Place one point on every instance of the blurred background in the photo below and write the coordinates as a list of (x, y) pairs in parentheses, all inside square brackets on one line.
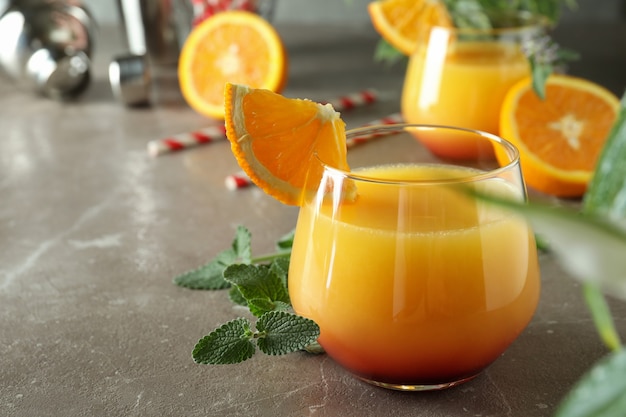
[(354, 12)]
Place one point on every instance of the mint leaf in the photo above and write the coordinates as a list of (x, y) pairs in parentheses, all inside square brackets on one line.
[(242, 246), (387, 54), (470, 13), (257, 282), (599, 393), (540, 73), (229, 343), (285, 243), (235, 296), (280, 267), (260, 306), (282, 332), (211, 275), (606, 194)]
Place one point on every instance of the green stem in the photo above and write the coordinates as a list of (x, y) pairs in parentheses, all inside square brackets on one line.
[(269, 257), (602, 316)]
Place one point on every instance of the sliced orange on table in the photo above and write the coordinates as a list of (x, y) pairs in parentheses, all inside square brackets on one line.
[(279, 141), (399, 21), (232, 46), (559, 138)]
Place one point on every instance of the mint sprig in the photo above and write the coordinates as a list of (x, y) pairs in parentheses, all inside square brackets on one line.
[(546, 57), (211, 275), (277, 333), (260, 284)]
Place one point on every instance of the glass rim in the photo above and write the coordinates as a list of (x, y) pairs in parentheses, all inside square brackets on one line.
[(510, 149), (524, 21)]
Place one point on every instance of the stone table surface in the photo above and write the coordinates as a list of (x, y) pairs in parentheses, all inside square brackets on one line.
[(92, 231)]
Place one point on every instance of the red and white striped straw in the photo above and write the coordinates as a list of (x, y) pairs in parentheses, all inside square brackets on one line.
[(237, 181), (210, 134), (186, 140), (388, 120), (241, 180), (351, 101)]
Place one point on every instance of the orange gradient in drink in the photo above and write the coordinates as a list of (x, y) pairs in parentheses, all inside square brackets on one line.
[(457, 83), (404, 295)]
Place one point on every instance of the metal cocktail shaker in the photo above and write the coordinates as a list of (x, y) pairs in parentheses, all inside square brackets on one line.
[(156, 28), (155, 32), (46, 46)]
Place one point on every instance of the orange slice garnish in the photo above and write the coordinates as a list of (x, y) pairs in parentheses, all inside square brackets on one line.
[(279, 142), (232, 46), (399, 21), (559, 138)]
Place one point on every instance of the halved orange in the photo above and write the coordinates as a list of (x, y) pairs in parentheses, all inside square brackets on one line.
[(232, 46), (279, 141), (559, 138), (399, 21)]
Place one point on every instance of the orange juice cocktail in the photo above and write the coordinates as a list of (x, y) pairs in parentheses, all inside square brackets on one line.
[(459, 77), (414, 283)]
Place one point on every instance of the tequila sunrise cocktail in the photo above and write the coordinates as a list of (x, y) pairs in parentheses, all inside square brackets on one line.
[(459, 77), (415, 284)]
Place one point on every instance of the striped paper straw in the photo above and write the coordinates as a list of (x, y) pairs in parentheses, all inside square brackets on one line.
[(351, 101), (388, 120), (237, 180), (241, 180), (186, 140), (210, 134)]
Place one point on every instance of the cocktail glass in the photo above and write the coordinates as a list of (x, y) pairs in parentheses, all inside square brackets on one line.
[(459, 77), (415, 284)]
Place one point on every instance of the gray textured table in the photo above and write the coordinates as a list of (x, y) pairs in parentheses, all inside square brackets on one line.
[(92, 231)]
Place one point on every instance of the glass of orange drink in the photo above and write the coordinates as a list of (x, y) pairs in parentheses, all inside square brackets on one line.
[(459, 76), (415, 283)]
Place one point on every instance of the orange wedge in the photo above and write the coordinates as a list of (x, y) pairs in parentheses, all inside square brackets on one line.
[(231, 46), (559, 138), (399, 21), (276, 139)]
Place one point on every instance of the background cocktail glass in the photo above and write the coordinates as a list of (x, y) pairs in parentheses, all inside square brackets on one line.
[(459, 77), (415, 284)]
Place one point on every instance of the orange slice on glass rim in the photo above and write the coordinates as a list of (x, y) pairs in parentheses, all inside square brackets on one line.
[(231, 46), (278, 141), (559, 138), (399, 21)]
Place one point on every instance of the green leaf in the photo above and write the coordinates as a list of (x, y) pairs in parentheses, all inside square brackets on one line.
[(601, 392), (601, 316), (257, 282), (315, 348), (540, 73), (280, 267), (607, 191), (209, 276), (235, 296), (242, 246), (229, 343), (283, 333), (589, 248), (470, 13), (605, 197), (260, 306), (387, 54), (285, 243)]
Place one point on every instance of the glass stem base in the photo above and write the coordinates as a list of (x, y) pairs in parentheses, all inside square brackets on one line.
[(417, 387)]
